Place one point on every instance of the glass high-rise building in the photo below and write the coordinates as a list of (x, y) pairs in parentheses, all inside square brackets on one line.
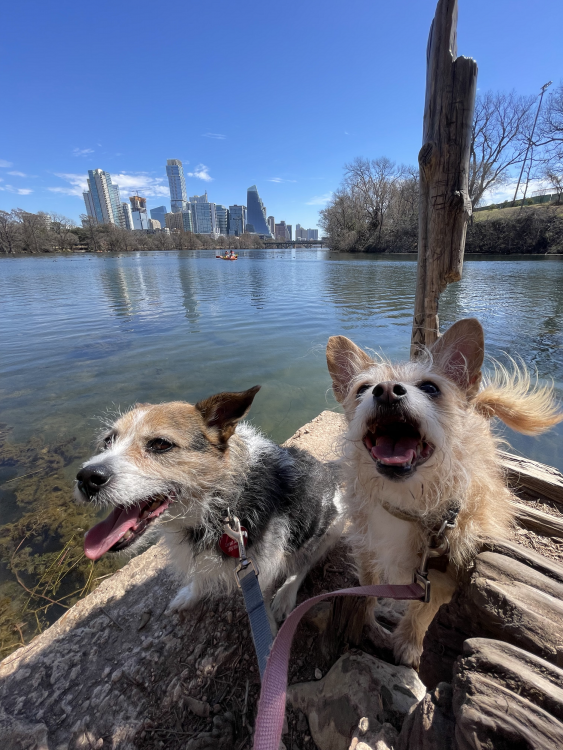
[(102, 199), (139, 212), (222, 218), (199, 198), (204, 218), (128, 216), (159, 214), (237, 220), (255, 213), (177, 182)]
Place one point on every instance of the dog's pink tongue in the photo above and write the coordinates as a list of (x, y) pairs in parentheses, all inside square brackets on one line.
[(388, 451), (105, 534)]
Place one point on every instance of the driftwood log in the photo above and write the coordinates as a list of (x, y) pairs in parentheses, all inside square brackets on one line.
[(445, 206)]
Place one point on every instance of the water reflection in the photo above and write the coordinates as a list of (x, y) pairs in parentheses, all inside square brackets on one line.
[(157, 326)]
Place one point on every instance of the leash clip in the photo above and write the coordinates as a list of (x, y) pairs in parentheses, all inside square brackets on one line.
[(440, 548), (237, 534)]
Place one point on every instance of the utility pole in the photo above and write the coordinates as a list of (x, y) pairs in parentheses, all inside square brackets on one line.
[(543, 90)]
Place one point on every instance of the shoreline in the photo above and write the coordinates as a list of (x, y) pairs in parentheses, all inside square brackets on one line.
[(358, 255)]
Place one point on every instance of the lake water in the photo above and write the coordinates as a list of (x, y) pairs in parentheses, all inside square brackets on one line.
[(82, 334)]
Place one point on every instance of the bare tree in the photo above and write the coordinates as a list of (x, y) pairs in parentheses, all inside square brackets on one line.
[(34, 230), (62, 228), (550, 139), (10, 236), (90, 225), (161, 241), (553, 176), (373, 182), (501, 128)]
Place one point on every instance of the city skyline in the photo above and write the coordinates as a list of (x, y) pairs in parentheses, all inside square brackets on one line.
[(195, 214), (340, 99)]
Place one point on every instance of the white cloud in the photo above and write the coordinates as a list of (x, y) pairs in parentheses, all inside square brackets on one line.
[(201, 172), (17, 191), (506, 192), (145, 184), (217, 136), (77, 185), (320, 200), (17, 174), (280, 179), (4, 163), (82, 151), (346, 132)]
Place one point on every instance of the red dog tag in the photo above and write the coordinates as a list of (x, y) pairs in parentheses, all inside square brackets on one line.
[(230, 546)]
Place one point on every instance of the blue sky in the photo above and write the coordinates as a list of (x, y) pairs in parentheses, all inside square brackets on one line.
[(281, 94)]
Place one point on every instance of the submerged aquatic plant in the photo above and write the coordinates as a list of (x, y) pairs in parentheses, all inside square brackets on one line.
[(45, 569)]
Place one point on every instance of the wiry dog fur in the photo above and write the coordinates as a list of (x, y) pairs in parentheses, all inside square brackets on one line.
[(198, 462), (456, 461)]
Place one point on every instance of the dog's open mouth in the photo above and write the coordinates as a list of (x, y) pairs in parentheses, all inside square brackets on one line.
[(397, 447), (124, 526)]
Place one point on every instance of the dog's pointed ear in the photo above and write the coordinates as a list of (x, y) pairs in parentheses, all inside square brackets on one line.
[(223, 411), (459, 354), (345, 360)]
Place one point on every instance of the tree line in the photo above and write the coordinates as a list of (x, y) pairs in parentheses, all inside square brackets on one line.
[(25, 232), (375, 209)]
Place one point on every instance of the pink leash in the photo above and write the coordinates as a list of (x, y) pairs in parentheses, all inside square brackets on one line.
[(271, 708)]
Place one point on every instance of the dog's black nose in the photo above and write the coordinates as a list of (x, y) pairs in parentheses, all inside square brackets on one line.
[(91, 480), (387, 393)]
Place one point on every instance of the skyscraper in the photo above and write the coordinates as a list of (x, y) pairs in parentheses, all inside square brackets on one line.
[(222, 218), (159, 213), (313, 234), (199, 198), (204, 218), (289, 231), (127, 216), (255, 215), (281, 231), (139, 211), (272, 225), (178, 195), (102, 199), (237, 220), (300, 233)]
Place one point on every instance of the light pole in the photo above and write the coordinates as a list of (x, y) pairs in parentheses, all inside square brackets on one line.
[(543, 90)]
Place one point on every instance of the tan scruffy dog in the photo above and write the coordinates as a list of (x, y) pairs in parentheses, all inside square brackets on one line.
[(419, 446)]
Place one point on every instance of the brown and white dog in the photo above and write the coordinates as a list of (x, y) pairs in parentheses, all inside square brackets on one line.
[(180, 469), (419, 444)]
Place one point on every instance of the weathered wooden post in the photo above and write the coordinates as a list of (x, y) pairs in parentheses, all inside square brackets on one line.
[(445, 207)]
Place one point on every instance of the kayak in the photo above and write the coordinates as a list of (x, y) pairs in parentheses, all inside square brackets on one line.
[(222, 257)]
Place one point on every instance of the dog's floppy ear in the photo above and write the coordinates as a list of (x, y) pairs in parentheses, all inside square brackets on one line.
[(224, 410), (459, 354), (345, 360)]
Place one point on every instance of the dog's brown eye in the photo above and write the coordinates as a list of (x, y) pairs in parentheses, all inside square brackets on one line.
[(159, 445), (429, 388), (362, 389), (108, 441)]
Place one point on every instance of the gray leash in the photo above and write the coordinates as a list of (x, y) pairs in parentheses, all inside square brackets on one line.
[(246, 574)]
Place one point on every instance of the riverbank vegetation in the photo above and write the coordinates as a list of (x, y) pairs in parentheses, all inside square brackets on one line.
[(375, 209), (24, 232)]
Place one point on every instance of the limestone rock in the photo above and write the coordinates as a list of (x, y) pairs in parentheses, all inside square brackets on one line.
[(385, 738), (430, 725), (358, 686)]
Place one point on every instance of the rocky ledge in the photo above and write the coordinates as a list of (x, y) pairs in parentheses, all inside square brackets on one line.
[(118, 672)]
